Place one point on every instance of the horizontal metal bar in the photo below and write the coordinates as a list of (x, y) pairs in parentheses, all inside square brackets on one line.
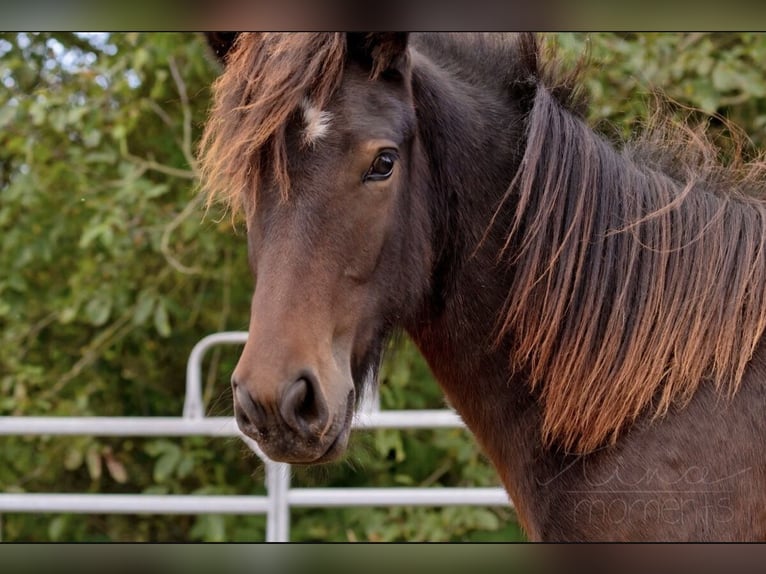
[(404, 419), (397, 496), (118, 426), (133, 503), (248, 504), (208, 426)]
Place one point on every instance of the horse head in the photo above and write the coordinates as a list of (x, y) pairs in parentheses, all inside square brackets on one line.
[(316, 136)]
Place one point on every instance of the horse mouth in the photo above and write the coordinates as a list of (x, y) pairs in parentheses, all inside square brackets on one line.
[(283, 445), (338, 446)]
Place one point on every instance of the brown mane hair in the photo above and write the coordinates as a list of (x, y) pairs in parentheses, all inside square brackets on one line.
[(267, 76), (637, 273)]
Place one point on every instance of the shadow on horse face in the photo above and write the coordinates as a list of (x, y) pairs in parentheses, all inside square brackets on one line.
[(326, 255)]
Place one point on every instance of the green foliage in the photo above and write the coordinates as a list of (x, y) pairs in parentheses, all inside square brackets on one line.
[(111, 271), (704, 74)]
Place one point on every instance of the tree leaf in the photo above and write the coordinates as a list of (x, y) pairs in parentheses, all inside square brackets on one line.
[(7, 115), (98, 310), (57, 526), (144, 307), (93, 462), (161, 321), (166, 463), (115, 468), (74, 459)]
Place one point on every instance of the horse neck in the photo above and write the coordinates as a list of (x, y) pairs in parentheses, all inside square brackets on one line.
[(471, 136)]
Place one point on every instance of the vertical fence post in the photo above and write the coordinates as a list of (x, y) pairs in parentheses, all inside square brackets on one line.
[(278, 516)]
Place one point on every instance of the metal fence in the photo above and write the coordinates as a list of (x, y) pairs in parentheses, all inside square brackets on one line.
[(280, 496)]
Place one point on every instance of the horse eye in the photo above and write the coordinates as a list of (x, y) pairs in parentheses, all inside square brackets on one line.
[(382, 167)]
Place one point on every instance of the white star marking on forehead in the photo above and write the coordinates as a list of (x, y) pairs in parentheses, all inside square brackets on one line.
[(316, 122)]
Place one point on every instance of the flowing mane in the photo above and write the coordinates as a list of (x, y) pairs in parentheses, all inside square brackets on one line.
[(267, 77), (637, 273)]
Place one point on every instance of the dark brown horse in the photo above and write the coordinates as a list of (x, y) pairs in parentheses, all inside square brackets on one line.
[(594, 315)]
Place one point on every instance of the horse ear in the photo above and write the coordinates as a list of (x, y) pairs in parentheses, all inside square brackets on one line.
[(383, 53), (220, 43)]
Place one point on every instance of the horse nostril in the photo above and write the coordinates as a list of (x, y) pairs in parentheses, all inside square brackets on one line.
[(249, 413), (303, 407)]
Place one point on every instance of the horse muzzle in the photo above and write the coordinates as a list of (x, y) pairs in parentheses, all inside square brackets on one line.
[(297, 424)]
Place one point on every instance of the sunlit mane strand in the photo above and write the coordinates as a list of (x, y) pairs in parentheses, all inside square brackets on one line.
[(637, 274), (267, 77)]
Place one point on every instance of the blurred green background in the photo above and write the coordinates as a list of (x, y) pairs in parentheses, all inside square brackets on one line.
[(110, 271)]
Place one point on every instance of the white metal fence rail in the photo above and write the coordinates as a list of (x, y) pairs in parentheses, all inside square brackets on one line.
[(280, 496)]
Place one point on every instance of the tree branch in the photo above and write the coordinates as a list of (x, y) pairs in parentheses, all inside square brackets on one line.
[(166, 233), (186, 147), (159, 167)]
